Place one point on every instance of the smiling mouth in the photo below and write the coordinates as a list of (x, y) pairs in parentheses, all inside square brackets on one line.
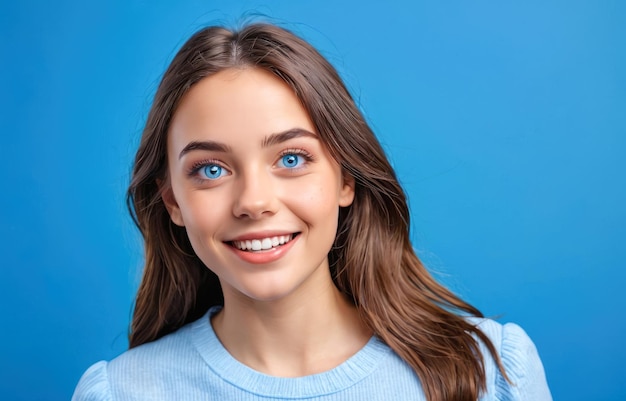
[(262, 244)]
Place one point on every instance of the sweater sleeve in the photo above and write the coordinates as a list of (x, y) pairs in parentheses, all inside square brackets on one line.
[(522, 365), (94, 384)]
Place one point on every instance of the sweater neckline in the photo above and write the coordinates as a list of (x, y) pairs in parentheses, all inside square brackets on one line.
[(348, 373)]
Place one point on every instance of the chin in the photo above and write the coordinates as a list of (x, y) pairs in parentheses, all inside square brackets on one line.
[(269, 295), (264, 291)]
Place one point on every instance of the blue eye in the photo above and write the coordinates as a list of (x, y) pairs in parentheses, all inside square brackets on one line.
[(290, 160), (212, 171)]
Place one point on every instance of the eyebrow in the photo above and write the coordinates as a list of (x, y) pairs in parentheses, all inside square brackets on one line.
[(203, 145), (284, 136), (268, 141)]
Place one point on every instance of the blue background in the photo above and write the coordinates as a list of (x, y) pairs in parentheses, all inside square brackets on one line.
[(506, 122)]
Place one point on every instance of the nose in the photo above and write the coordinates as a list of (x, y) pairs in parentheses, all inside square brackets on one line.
[(256, 196)]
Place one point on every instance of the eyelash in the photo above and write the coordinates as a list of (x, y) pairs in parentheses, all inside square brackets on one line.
[(197, 166), (308, 157)]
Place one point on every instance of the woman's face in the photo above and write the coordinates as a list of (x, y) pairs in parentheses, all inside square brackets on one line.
[(253, 185)]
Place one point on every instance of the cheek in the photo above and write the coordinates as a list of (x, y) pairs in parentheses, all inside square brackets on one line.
[(202, 211), (315, 202)]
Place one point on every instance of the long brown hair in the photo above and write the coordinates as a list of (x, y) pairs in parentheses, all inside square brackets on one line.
[(372, 259)]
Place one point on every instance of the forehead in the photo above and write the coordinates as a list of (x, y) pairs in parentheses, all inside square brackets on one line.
[(248, 101)]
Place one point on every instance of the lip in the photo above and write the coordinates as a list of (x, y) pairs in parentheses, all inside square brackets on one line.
[(266, 256)]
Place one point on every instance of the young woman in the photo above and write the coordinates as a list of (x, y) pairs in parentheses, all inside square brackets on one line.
[(278, 262)]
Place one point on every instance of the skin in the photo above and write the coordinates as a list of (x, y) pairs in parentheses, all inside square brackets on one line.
[(245, 163)]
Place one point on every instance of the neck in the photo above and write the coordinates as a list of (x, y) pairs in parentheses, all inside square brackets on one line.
[(294, 336)]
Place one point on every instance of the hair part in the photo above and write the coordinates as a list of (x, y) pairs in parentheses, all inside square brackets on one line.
[(372, 260)]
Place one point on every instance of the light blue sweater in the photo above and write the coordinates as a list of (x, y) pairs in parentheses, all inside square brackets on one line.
[(191, 364)]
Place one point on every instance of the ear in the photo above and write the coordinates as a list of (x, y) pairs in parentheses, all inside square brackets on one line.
[(167, 195), (346, 195)]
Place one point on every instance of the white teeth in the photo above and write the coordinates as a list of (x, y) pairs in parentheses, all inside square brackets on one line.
[(263, 243)]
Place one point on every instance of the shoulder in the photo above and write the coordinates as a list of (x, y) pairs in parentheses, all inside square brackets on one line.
[(141, 371), (164, 351), (521, 362), (94, 384)]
